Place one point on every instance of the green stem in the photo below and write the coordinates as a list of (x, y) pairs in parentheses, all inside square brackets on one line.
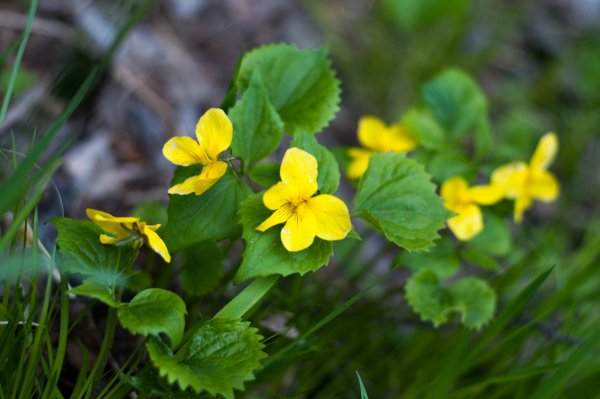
[(243, 302), (100, 364)]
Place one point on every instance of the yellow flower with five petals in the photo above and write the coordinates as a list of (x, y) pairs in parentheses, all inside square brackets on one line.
[(305, 214), (214, 133), (376, 136), (465, 201), (128, 230), (526, 182)]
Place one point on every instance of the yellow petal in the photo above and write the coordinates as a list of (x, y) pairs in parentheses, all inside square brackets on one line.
[(543, 186), (156, 243), (359, 164), (214, 132), (511, 178), (522, 203), (184, 151), (299, 169), (468, 223), (397, 139), (153, 227), (281, 215), (331, 216), (278, 195), (454, 190), (210, 174), (117, 226), (370, 130), (299, 231), (486, 194), (545, 152), (105, 239)]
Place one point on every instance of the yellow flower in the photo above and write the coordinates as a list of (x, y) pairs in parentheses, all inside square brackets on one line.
[(525, 182), (214, 132), (305, 215), (464, 200), (126, 230), (375, 136)]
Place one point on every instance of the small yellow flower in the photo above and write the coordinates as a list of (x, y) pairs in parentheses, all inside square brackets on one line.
[(375, 136), (214, 132), (305, 215), (464, 200), (126, 230), (525, 182)]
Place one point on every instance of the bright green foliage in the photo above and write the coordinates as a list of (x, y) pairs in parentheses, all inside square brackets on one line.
[(101, 290), (421, 123), (155, 311), (480, 258), (396, 196), (449, 163), (104, 267), (257, 128), (210, 216), (265, 255), (329, 170), (455, 100), (495, 238), (459, 105), (301, 84), (442, 259), (426, 297), (266, 174), (474, 299), (219, 357), (202, 266), (414, 14), (471, 297)]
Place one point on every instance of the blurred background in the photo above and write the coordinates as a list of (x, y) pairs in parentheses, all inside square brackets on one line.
[(163, 63)]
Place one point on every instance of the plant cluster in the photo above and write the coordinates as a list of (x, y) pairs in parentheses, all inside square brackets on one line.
[(227, 192)]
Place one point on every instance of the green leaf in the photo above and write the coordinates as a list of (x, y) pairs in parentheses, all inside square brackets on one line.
[(449, 163), (257, 128), (441, 259), (363, 391), (474, 299), (329, 170), (265, 255), (79, 243), (459, 105), (480, 258), (155, 311), (396, 196), (412, 14), (301, 84), (425, 296), (495, 237), (421, 123), (220, 356), (103, 266), (95, 289), (471, 297), (455, 100), (266, 174), (202, 267), (210, 216)]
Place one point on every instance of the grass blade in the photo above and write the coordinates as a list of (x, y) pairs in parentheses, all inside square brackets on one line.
[(19, 57)]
